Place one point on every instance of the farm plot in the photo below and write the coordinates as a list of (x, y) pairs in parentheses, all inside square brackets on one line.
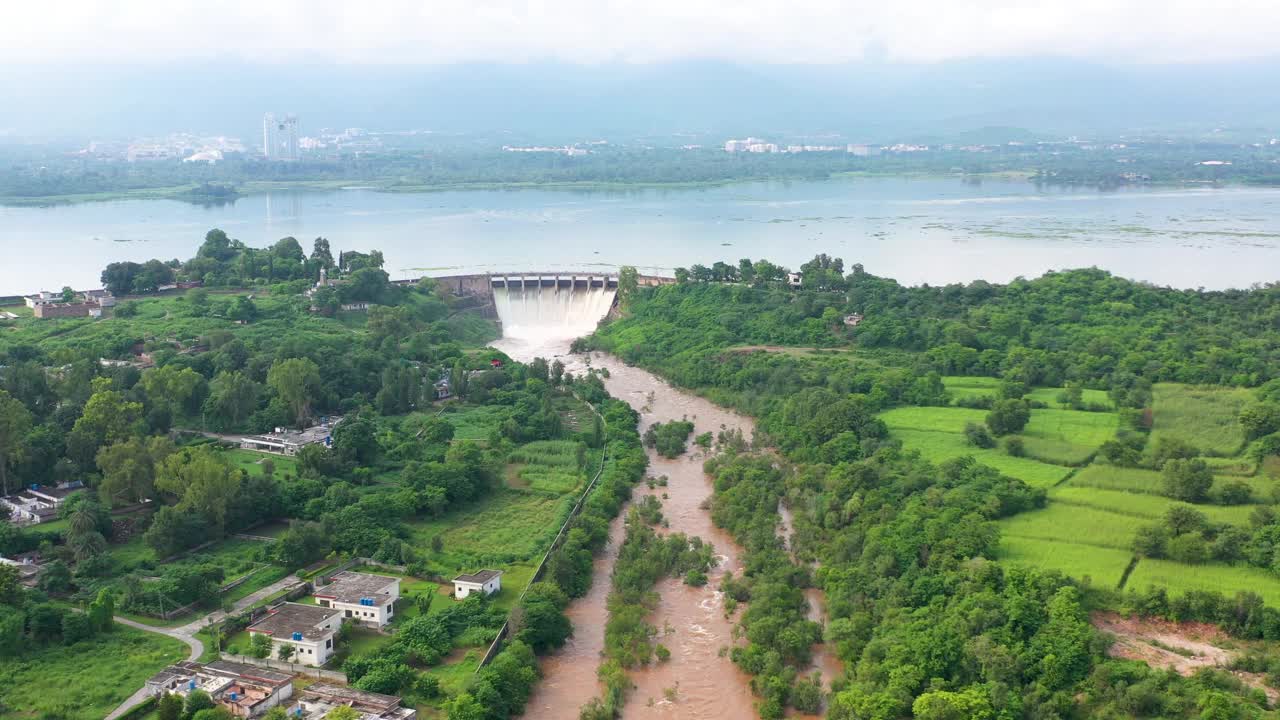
[(1049, 396), (552, 466), (938, 447), (1178, 578), (1076, 524), (1150, 482), (1067, 437), (1205, 417), (506, 527), (965, 386), (1138, 505), (1104, 565)]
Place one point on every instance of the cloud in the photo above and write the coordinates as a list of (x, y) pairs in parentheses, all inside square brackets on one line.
[(595, 31)]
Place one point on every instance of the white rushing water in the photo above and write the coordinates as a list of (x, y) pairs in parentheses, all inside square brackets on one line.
[(542, 321)]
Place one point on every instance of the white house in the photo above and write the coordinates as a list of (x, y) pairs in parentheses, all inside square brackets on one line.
[(308, 628), (487, 582), (36, 504), (363, 597), (246, 691), (795, 279)]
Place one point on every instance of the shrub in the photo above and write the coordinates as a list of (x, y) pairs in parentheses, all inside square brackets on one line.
[(978, 436), (1189, 548), (1015, 446)]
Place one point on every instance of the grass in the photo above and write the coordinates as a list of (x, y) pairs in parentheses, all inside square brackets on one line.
[(1067, 437), (551, 466), (506, 526), (251, 462), (1105, 566), (1147, 508), (1151, 482), (1049, 396), (474, 422), (1075, 524), (1205, 417), (940, 446), (87, 680), (961, 386), (1178, 578)]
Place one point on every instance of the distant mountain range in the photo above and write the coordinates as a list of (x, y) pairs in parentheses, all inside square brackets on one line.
[(561, 102)]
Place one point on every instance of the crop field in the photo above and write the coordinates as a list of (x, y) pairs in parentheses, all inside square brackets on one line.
[(970, 385), (1067, 437), (1139, 505), (1049, 396), (1178, 578), (507, 526), (1104, 565), (1205, 417), (87, 680), (552, 466), (1076, 524), (1150, 482), (474, 423), (939, 446)]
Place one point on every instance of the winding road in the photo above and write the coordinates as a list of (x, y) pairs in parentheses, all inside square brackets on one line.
[(187, 633)]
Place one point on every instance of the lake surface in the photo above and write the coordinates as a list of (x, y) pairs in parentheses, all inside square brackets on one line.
[(915, 230)]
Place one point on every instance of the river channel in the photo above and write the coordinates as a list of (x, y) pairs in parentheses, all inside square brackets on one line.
[(699, 681)]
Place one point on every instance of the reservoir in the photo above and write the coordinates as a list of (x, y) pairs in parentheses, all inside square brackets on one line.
[(937, 230)]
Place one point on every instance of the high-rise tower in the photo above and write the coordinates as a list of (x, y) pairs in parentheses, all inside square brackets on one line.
[(280, 137)]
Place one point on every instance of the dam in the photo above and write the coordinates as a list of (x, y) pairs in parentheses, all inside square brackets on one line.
[(541, 313)]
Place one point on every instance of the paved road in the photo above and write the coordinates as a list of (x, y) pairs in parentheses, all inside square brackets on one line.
[(187, 634)]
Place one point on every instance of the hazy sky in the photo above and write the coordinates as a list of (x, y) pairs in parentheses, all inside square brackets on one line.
[(442, 31)]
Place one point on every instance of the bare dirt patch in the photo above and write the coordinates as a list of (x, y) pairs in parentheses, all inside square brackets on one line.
[(1181, 647)]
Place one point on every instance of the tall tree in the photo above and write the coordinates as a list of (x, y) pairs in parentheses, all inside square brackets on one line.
[(202, 481), (15, 423), (296, 381)]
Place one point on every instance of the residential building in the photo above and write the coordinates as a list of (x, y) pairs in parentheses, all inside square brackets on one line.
[(318, 700), (285, 441), (49, 310), (37, 504), (246, 691), (280, 137), (309, 629), (794, 279), (41, 298), (853, 320), (487, 582), (363, 597), (443, 388)]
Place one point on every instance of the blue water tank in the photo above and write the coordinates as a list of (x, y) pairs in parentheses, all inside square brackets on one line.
[(297, 636), (233, 697), (191, 685)]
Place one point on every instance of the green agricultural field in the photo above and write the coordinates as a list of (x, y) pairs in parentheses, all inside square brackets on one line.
[(474, 422), (961, 386), (1062, 522), (87, 680), (1150, 482), (507, 526), (934, 419), (1049, 396), (938, 447), (551, 466), (1067, 437), (1105, 566), (1140, 505), (1205, 417), (1111, 477), (1178, 578)]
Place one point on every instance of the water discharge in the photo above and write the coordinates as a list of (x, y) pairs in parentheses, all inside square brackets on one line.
[(699, 681)]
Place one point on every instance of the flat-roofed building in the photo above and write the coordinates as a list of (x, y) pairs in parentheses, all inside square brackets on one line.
[(309, 629), (486, 582), (363, 597), (246, 691), (318, 700)]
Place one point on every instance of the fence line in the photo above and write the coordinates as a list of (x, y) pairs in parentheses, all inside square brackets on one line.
[(294, 668), (496, 646)]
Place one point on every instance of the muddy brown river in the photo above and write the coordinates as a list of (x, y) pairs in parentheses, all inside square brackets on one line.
[(699, 681)]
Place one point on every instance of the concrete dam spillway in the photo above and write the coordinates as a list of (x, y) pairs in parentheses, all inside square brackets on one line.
[(542, 314)]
